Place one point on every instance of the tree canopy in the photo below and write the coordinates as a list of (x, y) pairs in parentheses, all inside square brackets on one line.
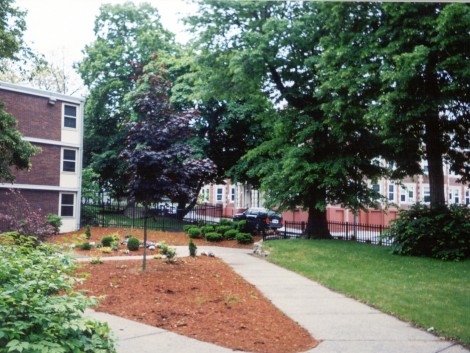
[(311, 156), (14, 151), (127, 37)]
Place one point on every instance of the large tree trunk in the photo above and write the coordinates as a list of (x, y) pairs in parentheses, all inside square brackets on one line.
[(317, 225), (433, 141)]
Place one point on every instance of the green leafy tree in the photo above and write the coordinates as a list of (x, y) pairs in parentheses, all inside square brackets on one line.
[(127, 36), (311, 157), (424, 100), (14, 151)]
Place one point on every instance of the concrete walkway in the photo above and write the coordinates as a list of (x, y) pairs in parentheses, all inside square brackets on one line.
[(342, 324)]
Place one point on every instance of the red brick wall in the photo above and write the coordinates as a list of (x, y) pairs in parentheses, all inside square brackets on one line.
[(45, 168), (47, 201), (36, 118)]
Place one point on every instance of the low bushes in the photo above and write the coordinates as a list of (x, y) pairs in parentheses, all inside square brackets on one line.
[(107, 241), (442, 233), (226, 230)]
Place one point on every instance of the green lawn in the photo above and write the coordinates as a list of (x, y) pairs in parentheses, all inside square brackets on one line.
[(427, 292)]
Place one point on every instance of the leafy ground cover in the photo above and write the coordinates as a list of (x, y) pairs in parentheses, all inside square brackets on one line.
[(430, 293)]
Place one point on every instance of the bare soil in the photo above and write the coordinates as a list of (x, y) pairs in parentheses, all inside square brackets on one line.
[(199, 297)]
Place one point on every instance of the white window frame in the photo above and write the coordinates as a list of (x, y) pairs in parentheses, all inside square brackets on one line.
[(69, 117), (64, 160), (219, 194), (467, 197), (454, 196), (391, 192), (67, 205), (408, 193), (233, 193), (426, 194)]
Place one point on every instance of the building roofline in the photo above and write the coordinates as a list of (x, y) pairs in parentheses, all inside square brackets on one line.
[(42, 93)]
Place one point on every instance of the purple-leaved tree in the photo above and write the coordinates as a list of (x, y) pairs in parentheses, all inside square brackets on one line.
[(161, 162)]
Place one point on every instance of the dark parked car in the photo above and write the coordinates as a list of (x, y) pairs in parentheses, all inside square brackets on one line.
[(260, 219)]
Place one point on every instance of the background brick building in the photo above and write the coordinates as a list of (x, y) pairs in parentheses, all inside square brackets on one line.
[(53, 122)]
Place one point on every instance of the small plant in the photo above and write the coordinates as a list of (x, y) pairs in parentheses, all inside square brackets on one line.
[(170, 254), (115, 245), (230, 234), (244, 238), (214, 236), (133, 244), (85, 246), (55, 221), (163, 248), (194, 232), (88, 232), (107, 241), (96, 261), (192, 248), (106, 250)]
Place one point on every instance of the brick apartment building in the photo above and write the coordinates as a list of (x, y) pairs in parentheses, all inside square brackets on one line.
[(53, 122), (238, 197)]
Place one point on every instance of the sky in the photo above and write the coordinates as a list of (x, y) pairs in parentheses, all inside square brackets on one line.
[(60, 29)]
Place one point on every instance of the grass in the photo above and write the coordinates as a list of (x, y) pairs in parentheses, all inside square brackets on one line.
[(426, 292)]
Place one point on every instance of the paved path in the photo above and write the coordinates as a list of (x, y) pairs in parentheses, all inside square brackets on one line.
[(343, 325)]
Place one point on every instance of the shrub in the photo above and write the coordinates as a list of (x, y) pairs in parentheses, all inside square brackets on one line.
[(25, 219), (207, 229), (226, 222), (241, 226), (85, 246), (222, 229), (244, 238), (187, 226), (192, 248), (88, 232), (133, 244), (230, 234), (440, 233), (15, 238), (170, 254), (55, 221), (194, 232), (107, 241), (106, 250), (37, 318), (214, 236)]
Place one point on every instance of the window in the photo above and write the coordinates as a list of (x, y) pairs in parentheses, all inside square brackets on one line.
[(407, 194), (454, 196), (426, 194), (232, 194), (70, 116), (376, 187), (467, 197), (220, 193), (391, 192), (67, 205), (69, 158)]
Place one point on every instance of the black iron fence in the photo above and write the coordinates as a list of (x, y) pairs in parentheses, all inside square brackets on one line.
[(165, 217), (364, 233)]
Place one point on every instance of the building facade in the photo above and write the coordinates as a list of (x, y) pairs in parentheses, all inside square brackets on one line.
[(53, 122), (238, 197)]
